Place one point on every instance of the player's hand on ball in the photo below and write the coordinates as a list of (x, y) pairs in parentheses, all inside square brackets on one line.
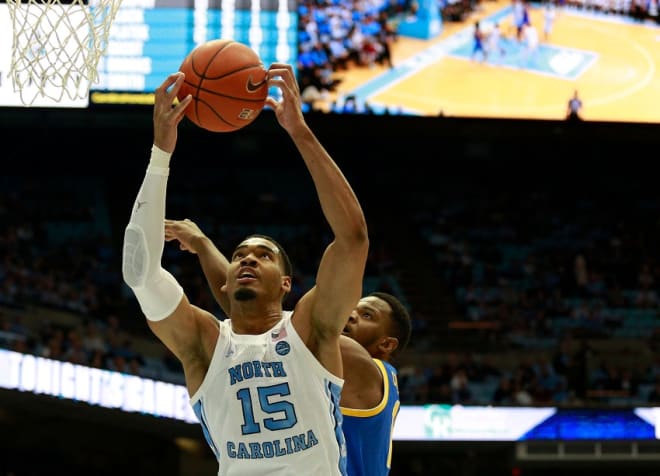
[(167, 115), (288, 110)]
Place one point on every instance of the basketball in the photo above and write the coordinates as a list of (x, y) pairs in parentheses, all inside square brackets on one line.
[(228, 84)]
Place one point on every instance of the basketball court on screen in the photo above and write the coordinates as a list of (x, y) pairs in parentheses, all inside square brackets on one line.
[(611, 60)]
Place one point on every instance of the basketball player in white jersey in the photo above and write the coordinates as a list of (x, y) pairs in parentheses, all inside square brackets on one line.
[(265, 383), (376, 332)]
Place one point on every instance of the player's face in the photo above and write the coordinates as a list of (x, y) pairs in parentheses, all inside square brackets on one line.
[(255, 269), (369, 322)]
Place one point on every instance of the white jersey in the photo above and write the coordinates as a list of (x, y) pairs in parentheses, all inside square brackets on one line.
[(532, 37), (268, 407)]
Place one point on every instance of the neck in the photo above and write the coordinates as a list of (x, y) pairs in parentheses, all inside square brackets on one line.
[(249, 318)]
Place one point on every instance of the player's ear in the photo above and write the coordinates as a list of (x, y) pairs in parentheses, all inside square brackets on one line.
[(286, 284), (388, 344)]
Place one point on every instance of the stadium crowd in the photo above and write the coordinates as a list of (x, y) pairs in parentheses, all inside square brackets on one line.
[(555, 294)]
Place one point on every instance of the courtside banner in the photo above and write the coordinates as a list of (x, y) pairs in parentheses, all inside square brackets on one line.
[(130, 393), (485, 423), (105, 388)]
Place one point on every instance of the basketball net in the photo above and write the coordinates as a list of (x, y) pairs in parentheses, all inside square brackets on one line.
[(57, 45)]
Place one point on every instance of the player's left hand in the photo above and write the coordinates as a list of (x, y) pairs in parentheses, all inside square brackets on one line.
[(288, 110)]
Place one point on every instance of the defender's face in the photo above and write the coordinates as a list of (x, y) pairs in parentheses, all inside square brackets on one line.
[(255, 269), (369, 321)]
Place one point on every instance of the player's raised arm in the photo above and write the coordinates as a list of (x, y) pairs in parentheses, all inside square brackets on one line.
[(339, 278), (214, 264), (170, 316)]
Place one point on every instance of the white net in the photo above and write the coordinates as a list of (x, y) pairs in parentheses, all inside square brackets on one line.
[(57, 45)]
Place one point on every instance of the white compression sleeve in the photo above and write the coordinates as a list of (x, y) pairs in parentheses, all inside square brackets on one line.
[(156, 290)]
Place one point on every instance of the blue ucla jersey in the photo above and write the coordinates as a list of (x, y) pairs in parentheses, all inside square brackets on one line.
[(268, 407), (368, 432)]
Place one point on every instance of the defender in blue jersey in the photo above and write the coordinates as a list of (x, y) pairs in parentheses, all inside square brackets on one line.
[(376, 331), (265, 383)]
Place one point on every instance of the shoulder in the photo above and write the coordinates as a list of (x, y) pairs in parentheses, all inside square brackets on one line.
[(350, 348), (363, 379), (356, 359)]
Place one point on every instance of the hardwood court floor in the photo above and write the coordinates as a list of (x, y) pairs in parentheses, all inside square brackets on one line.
[(618, 80)]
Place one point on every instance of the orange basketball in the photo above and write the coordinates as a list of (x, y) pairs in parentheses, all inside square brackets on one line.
[(228, 83)]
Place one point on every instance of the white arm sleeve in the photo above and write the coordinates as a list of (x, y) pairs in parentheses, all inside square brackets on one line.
[(156, 290)]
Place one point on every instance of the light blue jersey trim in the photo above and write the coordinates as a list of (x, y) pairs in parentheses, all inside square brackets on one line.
[(334, 391), (198, 408)]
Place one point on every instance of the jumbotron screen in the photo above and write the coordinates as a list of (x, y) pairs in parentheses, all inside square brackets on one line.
[(150, 38), (508, 59)]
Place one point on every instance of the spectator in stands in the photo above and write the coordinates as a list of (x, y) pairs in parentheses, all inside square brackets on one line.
[(53, 344), (520, 395), (654, 394), (578, 377), (386, 36), (563, 356), (503, 394), (548, 386), (438, 385), (75, 351), (97, 360), (414, 385), (460, 388), (93, 339), (646, 295)]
